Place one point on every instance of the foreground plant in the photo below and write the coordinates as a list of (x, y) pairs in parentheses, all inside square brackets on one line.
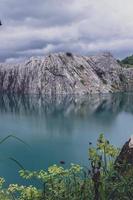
[(100, 181)]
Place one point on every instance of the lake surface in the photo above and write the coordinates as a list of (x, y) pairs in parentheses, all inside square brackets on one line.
[(59, 128)]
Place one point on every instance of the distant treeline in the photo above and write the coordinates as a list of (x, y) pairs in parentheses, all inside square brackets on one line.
[(126, 62)]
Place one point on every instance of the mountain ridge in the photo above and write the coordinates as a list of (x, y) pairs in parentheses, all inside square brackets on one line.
[(66, 73)]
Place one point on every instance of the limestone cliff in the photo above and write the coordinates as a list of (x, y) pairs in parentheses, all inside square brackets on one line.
[(65, 73)]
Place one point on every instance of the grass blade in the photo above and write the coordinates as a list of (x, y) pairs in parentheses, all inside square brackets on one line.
[(15, 137), (17, 162)]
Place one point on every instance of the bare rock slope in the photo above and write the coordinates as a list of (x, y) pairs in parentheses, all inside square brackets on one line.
[(65, 73)]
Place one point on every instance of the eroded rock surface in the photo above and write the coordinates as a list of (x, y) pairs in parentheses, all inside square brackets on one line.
[(124, 161), (63, 73)]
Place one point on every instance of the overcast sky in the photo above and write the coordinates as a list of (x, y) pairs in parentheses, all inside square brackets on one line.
[(38, 27)]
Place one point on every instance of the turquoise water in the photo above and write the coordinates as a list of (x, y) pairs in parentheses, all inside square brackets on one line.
[(59, 128)]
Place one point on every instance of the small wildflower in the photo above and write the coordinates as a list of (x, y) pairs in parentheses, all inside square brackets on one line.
[(62, 162)]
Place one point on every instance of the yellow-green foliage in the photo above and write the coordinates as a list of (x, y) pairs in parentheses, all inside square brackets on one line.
[(76, 182)]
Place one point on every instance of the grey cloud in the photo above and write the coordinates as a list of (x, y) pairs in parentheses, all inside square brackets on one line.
[(46, 12), (38, 27)]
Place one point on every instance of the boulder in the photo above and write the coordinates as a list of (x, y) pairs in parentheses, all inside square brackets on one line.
[(124, 161)]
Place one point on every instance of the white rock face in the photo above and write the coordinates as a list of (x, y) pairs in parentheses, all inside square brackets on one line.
[(64, 73), (131, 142)]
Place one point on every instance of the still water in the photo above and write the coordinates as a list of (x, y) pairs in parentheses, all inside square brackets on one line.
[(59, 128)]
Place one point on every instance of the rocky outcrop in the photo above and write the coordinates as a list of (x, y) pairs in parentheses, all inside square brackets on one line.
[(65, 73), (124, 161)]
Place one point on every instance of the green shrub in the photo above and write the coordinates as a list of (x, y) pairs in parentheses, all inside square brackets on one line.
[(69, 54), (82, 81)]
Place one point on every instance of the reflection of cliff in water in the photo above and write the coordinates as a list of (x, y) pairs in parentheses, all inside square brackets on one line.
[(108, 104)]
